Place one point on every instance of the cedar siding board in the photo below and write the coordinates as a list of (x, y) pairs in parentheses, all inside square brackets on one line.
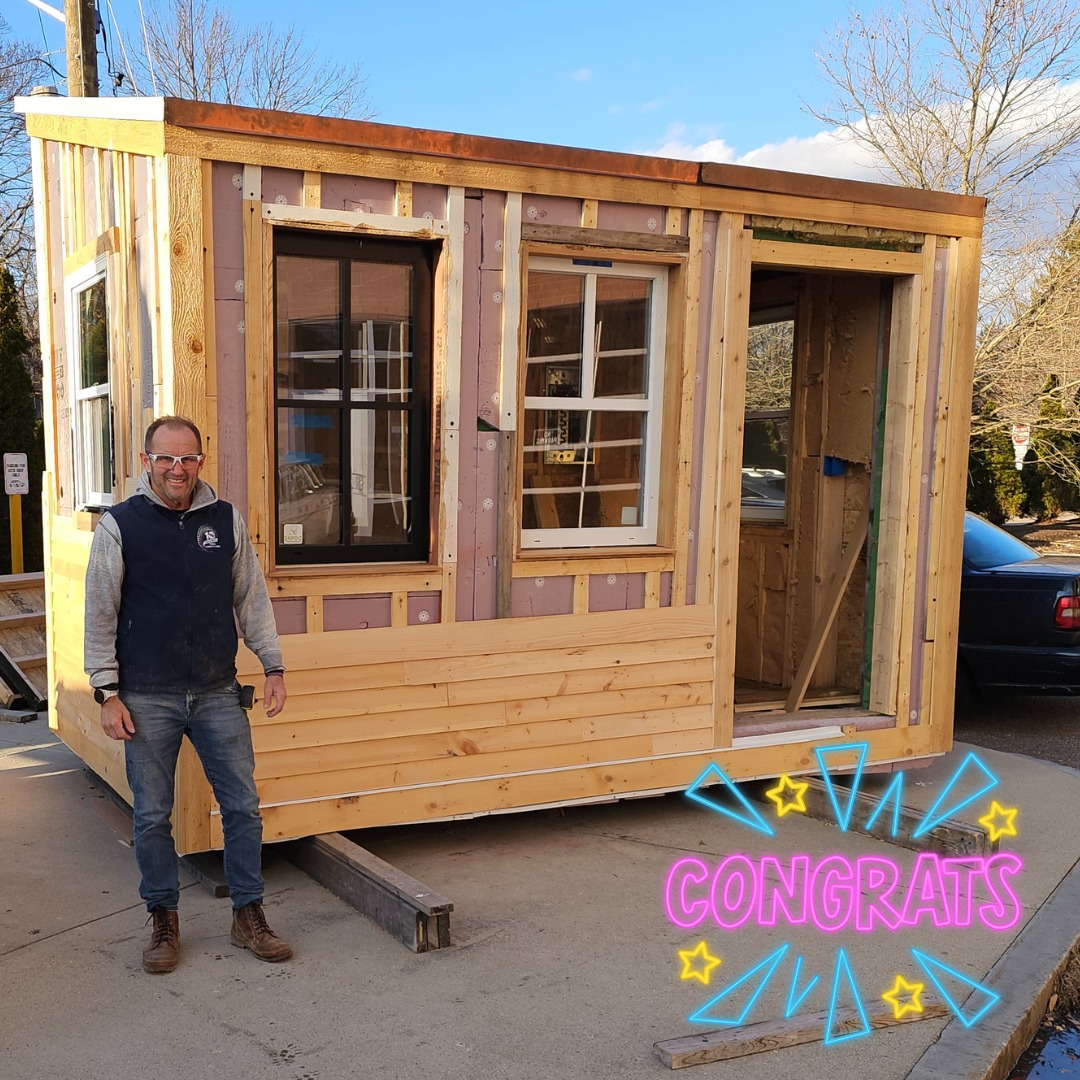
[(491, 678)]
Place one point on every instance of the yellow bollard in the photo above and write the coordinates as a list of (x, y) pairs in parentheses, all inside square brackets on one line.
[(15, 515)]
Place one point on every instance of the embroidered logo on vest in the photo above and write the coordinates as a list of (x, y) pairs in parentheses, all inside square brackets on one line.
[(207, 537)]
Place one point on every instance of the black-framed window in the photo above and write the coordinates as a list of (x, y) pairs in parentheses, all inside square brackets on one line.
[(352, 376)]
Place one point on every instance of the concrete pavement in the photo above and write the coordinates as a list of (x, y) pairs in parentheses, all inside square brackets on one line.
[(564, 964)]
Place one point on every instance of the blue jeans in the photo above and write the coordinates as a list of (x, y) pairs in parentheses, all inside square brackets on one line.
[(218, 729)]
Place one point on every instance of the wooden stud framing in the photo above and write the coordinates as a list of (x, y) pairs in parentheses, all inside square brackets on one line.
[(356, 221), (511, 312), (718, 543), (313, 190), (418, 168), (605, 238), (581, 594), (825, 256), (257, 309), (210, 367), (683, 437), (184, 265), (831, 598), (403, 199), (954, 420), (448, 362)]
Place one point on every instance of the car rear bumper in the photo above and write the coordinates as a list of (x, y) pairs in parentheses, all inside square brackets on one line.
[(1023, 670)]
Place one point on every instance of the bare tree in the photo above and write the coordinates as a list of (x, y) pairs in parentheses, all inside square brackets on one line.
[(20, 69), (196, 49), (979, 97)]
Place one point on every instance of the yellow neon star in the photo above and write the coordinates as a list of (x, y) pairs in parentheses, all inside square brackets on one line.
[(904, 997), (991, 821), (796, 803), (701, 952)]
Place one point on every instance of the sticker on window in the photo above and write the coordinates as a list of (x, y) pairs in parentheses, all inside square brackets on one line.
[(292, 534)]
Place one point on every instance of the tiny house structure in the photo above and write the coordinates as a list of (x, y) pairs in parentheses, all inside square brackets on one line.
[(570, 471)]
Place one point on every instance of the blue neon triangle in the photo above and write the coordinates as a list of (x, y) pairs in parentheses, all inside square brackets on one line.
[(843, 817), (934, 816), (986, 996), (711, 775), (794, 1002), (897, 782), (769, 963), (843, 968)]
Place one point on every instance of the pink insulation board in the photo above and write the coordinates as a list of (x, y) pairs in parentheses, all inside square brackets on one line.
[(284, 186), (542, 596), (550, 210), (355, 612), (616, 592), (626, 217), (368, 195)]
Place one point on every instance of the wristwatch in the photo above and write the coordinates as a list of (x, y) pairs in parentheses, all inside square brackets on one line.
[(103, 693)]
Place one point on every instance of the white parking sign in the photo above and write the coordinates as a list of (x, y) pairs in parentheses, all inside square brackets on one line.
[(16, 475)]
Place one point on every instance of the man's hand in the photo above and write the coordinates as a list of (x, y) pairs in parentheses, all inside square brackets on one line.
[(116, 721), (274, 694)]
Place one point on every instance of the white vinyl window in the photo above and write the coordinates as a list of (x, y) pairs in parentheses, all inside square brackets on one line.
[(88, 336), (594, 376)]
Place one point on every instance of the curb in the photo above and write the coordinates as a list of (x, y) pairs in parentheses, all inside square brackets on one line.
[(1025, 976)]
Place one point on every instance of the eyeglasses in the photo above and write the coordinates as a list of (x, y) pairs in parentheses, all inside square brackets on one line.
[(168, 461)]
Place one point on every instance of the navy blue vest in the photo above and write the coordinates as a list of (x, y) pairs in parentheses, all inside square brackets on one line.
[(176, 631)]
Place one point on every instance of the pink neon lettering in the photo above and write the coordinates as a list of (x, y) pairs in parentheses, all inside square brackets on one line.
[(926, 892), (832, 893), (836, 893), (997, 915), (783, 891), (734, 891), (878, 878), (965, 873), (680, 912)]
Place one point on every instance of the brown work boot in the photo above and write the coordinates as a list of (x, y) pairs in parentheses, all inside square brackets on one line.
[(163, 953), (250, 931)]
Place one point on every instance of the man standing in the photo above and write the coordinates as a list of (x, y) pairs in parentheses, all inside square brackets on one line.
[(168, 569)]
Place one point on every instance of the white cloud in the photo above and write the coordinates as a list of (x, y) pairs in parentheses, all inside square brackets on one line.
[(581, 75), (676, 145), (827, 153)]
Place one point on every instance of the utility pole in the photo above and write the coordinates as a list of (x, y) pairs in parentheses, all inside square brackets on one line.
[(80, 21)]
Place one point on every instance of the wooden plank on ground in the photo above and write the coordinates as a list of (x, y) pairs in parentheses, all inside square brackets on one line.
[(951, 837), (728, 1043), (410, 911)]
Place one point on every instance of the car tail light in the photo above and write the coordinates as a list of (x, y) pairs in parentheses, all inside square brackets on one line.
[(1067, 613)]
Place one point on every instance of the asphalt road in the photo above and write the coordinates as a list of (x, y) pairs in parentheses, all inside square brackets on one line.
[(1042, 727)]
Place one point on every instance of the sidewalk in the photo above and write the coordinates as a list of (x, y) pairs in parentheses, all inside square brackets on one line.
[(564, 964)]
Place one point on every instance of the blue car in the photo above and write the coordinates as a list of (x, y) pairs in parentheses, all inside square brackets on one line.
[(1019, 617)]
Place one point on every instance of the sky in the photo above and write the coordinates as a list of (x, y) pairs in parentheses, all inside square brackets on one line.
[(711, 80)]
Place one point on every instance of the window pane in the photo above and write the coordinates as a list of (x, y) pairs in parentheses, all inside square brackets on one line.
[(308, 299), (381, 331), (622, 336), (583, 469), (93, 337), (97, 444), (309, 477), (553, 335), (613, 472), (379, 485), (766, 434)]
